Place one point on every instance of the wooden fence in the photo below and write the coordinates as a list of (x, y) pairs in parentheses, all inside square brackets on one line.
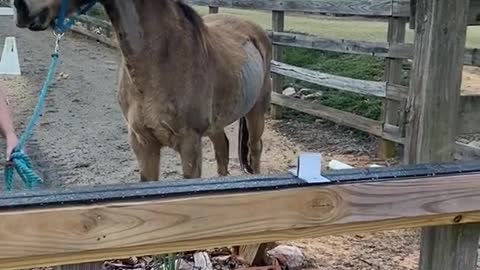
[(424, 115), (391, 126), (83, 224)]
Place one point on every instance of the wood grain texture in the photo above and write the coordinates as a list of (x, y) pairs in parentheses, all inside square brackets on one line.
[(381, 49), (472, 57), (474, 13), (469, 117), (435, 82), (104, 40), (391, 113), (377, 8), (338, 116), (328, 80), (53, 236), (450, 247), (278, 25), (434, 97), (212, 10), (335, 45), (353, 7)]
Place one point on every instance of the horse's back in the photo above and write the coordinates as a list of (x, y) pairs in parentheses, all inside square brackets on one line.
[(239, 31)]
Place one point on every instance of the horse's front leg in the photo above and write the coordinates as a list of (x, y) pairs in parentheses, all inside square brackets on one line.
[(147, 153), (190, 149)]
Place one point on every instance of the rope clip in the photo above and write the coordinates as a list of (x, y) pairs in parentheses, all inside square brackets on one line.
[(58, 38)]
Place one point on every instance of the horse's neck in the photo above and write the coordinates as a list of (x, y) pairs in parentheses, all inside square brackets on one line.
[(149, 28)]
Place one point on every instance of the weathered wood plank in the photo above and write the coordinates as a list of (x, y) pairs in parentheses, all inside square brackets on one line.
[(51, 236), (335, 45), (397, 92), (474, 13), (472, 57), (469, 117), (381, 49), (436, 80), (462, 239), (338, 82), (212, 10), (278, 25), (440, 35), (354, 7), (378, 49), (94, 22), (338, 116), (102, 39), (393, 75)]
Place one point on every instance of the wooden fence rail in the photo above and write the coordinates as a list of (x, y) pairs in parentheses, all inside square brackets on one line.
[(78, 225), (379, 8), (392, 123)]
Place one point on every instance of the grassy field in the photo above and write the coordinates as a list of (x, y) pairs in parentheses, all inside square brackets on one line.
[(338, 28)]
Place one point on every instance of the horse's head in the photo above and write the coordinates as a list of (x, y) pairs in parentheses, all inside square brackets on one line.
[(39, 15)]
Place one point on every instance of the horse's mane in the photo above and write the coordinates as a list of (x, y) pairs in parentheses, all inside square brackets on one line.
[(191, 15), (195, 19)]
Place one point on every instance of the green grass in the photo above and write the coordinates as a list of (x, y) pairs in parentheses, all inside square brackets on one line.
[(352, 66)]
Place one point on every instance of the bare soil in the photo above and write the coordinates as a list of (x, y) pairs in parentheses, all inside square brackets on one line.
[(82, 140)]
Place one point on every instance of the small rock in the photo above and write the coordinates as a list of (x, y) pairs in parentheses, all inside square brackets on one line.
[(288, 256), (184, 265), (202, 261), (475, 144), (63, 76), (314, 95), (462, 140), (289, 91), (306, 91)]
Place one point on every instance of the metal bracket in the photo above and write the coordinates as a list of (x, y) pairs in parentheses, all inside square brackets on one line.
[(309, 168)]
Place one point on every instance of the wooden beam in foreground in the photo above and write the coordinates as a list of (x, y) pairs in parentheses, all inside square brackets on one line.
[(49, 236)]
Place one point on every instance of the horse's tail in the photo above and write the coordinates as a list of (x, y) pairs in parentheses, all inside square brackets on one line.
[(243, 146)]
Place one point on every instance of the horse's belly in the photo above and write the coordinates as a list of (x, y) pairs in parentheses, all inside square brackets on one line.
[(252, 75)]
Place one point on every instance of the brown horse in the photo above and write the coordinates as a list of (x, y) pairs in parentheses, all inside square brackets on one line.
[(182, 77)]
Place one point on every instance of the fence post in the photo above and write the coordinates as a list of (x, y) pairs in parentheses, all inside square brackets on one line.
[(212, 9), (278, 25), (393, 74), (433, 103)]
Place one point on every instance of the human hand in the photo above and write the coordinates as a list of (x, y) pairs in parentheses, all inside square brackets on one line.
[(12, 141)]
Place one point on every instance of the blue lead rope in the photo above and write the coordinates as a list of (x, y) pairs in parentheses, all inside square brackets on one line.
[(62, 23), (19, 161)]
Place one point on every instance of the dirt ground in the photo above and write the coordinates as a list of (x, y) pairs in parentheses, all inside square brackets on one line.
[(82, 140)]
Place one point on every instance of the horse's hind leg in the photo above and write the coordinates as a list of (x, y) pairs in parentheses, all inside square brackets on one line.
[(148, 157), (255, 123), (221, 147), (251, 131), (190, 149)]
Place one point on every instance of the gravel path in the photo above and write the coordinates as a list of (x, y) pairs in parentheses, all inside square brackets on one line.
[(82, 137)]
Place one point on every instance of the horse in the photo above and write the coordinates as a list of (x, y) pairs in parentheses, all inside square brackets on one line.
[(182, 77)]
